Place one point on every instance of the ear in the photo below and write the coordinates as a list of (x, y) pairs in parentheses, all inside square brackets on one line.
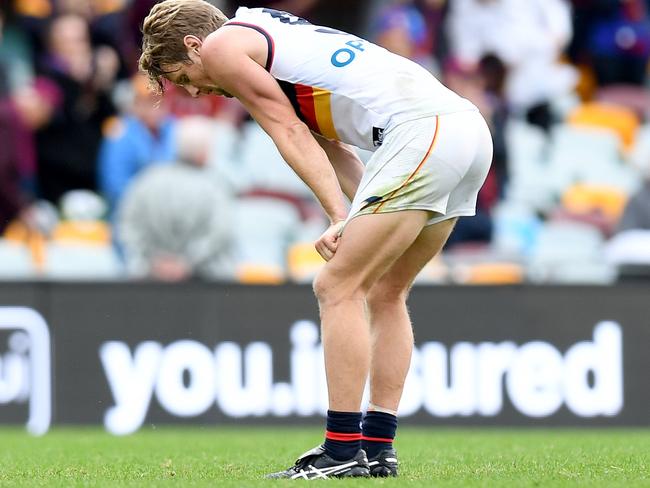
[(192, 43)]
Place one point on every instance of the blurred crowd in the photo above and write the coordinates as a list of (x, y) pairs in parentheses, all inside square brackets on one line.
[(101, 179)]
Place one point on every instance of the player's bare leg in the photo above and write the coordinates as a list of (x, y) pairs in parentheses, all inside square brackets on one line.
[(390, 325), (368, 248), (392, 345)]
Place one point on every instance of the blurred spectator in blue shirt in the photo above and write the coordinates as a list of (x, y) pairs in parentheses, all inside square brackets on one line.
[(402, 29), (614, 37), (142, 136), (413, 29)]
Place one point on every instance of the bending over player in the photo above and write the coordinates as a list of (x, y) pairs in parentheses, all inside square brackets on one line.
[(314, 90)]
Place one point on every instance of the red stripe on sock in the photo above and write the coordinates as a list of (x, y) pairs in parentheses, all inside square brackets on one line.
[(340, 436), (376, 439)]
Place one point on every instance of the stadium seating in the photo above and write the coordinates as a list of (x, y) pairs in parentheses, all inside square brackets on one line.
[(639, 155), (264, 231), (587, 155), (587, 199), (528, 184), (632, 97), (81, 261), (489, 273), (516, 227), (262, 167), (618, 119), (15, 261), (92, 232), (631, 247), (435, 271), (260, 274), (569, 252)]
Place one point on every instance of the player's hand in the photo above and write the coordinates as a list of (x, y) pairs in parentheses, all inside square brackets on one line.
[(328, 242)]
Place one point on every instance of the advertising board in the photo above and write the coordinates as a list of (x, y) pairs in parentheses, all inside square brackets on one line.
[(127, 355)]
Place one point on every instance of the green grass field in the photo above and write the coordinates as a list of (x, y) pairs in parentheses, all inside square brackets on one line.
[(240, 457)]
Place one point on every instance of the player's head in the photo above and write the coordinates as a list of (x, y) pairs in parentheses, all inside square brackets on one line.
[(172, 33)]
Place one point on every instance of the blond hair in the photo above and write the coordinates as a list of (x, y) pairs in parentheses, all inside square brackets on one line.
[(164, 31)]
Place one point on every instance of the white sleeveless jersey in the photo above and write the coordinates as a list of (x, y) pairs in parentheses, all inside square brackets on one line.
[(344, 87)]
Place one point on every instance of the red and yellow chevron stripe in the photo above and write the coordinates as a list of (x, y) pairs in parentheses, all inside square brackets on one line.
[(316, 107)]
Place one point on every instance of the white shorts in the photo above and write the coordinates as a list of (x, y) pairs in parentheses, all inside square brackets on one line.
[(436, 163)]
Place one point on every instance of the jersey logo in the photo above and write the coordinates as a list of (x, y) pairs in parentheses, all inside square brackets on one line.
[(377, 136), (285, 17)]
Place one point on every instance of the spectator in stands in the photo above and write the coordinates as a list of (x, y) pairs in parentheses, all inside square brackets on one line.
[(104, 19), (435, 15), (133, 17), (15, 50), (10, 195), (13, 197), (411, 29), (69, 142), (16, 155), (4, 81), (492, 75), (529, 37), (175, 219), (613, 37), (401, 29), (144, 135)]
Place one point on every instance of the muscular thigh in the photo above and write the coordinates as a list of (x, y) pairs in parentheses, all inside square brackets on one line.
[(370, 244), (400, 275)]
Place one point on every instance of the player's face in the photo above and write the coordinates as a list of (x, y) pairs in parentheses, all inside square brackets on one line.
[(192, 78)]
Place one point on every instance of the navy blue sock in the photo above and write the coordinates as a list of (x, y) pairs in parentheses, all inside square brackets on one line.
[(343, 435), (378, 432)]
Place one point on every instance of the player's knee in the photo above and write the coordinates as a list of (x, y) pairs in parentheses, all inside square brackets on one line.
[(330, 288), (325, 287)]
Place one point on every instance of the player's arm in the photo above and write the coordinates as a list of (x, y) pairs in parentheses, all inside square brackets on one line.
[(227, 59), (347, 165)]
